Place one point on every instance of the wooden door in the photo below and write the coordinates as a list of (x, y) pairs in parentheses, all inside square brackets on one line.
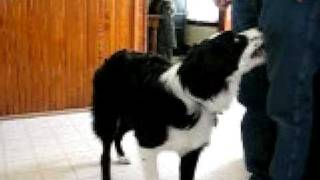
[(50, 49)]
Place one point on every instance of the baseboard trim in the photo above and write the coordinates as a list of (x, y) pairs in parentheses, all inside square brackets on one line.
[(46, 113)]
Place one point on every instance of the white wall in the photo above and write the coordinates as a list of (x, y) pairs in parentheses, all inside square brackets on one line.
[(195, 33), (202, 10)]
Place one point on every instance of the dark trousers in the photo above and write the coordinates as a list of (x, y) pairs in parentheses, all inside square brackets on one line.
[(291, 32), (257, 129), (313, 163)]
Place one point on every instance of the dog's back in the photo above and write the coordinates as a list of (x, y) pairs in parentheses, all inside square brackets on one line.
[(117, 84)]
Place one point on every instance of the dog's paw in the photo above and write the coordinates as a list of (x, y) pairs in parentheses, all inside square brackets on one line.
[(122, 160)]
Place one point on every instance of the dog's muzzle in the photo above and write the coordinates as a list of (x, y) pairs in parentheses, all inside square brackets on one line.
[(255, 38), (252, 34)]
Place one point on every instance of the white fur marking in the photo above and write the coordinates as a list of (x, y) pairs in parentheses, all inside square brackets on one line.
[(183, 141)]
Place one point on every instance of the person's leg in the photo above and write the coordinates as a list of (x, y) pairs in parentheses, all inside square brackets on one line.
[(258, 136), (289, 29), (257, 129), (313, 162), (245, 14)]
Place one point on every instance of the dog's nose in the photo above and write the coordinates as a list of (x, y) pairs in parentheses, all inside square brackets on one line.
[(252, 34)]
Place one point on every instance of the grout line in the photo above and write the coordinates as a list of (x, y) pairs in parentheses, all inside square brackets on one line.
[(5, 165), (39, 170), (30, 140), (81, 134), (65, 153)]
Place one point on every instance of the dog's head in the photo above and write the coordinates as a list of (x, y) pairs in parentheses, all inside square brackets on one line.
[(209, 64), (254, 53), (229, 51)]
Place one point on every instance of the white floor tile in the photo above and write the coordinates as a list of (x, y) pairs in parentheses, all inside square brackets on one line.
[(19, 155), (83, 159), (59, 174), (17, 144), (25, 176), (89, 171), (2, 168), (22, 166), (42, 152), (64, 147), (44, 142), (53, 163)]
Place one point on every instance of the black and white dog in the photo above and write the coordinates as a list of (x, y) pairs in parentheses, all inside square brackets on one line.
[(170, 107)]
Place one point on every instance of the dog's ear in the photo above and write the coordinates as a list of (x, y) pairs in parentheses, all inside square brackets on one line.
[(207, 66), (121, 54)]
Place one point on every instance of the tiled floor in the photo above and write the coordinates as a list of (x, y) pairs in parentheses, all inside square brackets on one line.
[(63, 147)]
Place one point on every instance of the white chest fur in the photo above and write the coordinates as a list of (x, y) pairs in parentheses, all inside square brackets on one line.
[(186, 140), (180, 141), (183, 141)]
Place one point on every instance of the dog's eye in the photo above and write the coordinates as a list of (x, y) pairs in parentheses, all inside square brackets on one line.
[(236, 40)]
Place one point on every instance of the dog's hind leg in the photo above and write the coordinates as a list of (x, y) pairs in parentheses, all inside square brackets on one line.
[(188, 164), (121, 130), (105, 161), (104, 125), (105, 128), (149, 164)]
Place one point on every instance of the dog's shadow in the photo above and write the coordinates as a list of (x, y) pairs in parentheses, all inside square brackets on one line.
[(233, 170)]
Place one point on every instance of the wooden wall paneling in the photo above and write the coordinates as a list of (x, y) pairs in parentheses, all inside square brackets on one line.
[(124, 24), (71, 49), (92, 50), (76, 50), (40, 82), (8, 68), (59, 39), (110, 20), (46, 62), (4, 47), (67, 65), (23, 60), (50, 61), (83, 57), (85, 64), (140, 24), (9, 54), (14, 60), (50, 49), (32, 47), (25, 57), (84, 86), (36, 27), (33, 55), (2, 55), (57, 52), (8, 57), (38, 55)]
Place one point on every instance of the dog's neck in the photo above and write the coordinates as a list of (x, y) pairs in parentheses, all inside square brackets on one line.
[(172, 83), (216, 104)]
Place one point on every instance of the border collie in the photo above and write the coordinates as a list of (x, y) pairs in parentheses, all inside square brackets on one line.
[(170, 107)]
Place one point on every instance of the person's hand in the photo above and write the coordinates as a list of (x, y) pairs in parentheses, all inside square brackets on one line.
[(222, 4)]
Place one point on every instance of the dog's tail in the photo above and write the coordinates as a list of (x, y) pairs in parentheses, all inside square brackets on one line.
[(105, 115), (108, 85)]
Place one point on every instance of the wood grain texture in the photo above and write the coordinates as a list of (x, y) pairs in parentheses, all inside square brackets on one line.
[(50, 49)]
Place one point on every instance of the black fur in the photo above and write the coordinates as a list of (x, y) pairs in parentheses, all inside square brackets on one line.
[(128, 95), (207, 66)]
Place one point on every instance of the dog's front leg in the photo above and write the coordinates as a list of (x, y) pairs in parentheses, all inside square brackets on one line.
[(149, 163), (188, 164)]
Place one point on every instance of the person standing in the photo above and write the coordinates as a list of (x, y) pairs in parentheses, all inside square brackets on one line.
[(285, 110)]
